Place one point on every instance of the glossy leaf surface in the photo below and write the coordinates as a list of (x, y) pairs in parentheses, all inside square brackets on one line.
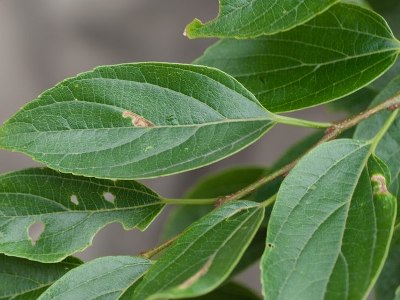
[(103, 278), (251, 18), (308, 220), (70, 210), (204, 256), (21, 279), (313, 63), (137, 121)]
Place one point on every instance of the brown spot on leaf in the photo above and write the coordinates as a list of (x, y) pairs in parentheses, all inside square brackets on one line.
[(35, 231), (193, 279), (381, 181), (137, 121)]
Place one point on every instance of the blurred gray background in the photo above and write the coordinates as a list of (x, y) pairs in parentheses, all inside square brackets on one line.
[(44, 41)]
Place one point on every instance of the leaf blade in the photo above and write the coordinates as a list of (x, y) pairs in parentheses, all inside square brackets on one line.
[(252, 18), (24, 279), (188, 269), (70, 209), (138, 121), (310, 64), (291, 249), (107, 277)]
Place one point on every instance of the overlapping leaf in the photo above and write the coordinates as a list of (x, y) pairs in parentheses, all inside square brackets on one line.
[(109, 278), (308, 221), (367, 236), (137, 121), (389, 147), (71, 210), (331, 56), (204, 256), (23, 279), (251, 18)]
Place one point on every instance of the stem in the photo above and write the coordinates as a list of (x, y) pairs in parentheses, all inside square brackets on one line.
[(188, 201), (269, 201), (152, 252), (331, 133), (378, 137), (301, 123)]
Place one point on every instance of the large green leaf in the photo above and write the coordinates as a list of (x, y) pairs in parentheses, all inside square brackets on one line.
[(251, 18), (313, 63), (389, 147), (71, 209), (138, 121), (204, 256), (108, 278), (21, 279), (367, 236), (308, 221), (389, 280)]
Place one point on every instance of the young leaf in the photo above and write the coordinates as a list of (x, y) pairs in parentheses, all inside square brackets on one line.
[(24, 279), (204, 256), (68, 211), (389, 147), (138, 121), (389, 280), (103, 278), (367, 236), (252, 18), (231, 291), (308, 220), (313, 63)]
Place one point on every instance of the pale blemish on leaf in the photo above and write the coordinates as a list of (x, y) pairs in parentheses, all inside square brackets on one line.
[(137, 121), (193, 279), (109, 197), (380, 181), (74, 199), (35, 231)]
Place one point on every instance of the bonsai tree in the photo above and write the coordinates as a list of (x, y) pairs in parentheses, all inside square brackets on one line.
[(322, 221)]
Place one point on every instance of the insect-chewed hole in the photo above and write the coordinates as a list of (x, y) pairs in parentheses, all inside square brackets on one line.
[(74, 199), (109, 197), (35, 231)]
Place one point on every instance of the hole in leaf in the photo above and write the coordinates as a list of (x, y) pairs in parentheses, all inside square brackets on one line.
[(269, 245), (35, 231), (74, 199), (109, 197)]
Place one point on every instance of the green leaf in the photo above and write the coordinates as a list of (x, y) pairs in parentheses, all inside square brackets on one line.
[(138, 121), (231, 291), (390, 9), (356, 102), (367, 236), (389, 279), (252, 18), (212, 186), (389, 147), (21, 279), (103, 278), (204, 256), (313, 63), (71, 210), (308, 220)]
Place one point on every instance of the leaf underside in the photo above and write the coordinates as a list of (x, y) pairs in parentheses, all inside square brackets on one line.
[(71, 210), (204, 256), (308, 220), (312, 63), (137, 121), (103, 278)]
